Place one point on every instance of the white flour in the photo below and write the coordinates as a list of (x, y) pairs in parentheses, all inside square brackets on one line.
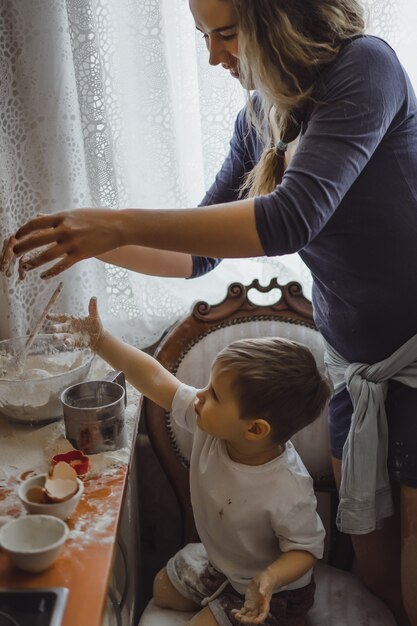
[(40, 365), (94, 525), (33, 394)]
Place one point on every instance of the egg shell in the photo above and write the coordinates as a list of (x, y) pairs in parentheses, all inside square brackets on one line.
[(60, 489), (63, 470)]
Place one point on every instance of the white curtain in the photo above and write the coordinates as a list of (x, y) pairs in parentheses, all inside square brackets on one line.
[(112, 103)]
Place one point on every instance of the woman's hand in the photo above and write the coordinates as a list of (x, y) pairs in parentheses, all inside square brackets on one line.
[(257, 598), (8, 257), (78, 332), (66, 237)]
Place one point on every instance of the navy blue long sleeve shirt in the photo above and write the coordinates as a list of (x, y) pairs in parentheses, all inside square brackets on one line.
[(348, 201)]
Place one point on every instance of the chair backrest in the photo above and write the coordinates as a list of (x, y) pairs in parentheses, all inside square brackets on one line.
[(188, 351)]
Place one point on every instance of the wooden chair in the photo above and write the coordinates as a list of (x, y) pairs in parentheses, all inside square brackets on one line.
[(188, 351)]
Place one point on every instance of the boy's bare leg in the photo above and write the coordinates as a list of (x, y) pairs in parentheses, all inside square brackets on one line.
[(167, 597), (409, 550), (203, 618), (378, 558)]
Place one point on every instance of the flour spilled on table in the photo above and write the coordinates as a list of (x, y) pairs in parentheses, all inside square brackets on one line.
[(95, 524)]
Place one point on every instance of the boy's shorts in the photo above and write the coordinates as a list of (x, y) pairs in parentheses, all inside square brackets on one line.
[(195, 578), (401, 409)]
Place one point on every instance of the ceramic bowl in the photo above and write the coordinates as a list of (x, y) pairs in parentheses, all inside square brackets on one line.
[(52, 368), (63, 510), (33, 542)]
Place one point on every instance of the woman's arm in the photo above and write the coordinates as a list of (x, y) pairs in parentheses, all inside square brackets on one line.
[(225, 230), (150, 261)]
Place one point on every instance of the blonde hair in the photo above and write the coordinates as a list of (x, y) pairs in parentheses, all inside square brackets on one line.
[(283, 46), (277, 380)]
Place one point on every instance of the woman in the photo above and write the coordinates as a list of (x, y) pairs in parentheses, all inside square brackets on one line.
[(347, 203)]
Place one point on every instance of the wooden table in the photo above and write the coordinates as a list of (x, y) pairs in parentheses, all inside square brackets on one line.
[(86, 561)]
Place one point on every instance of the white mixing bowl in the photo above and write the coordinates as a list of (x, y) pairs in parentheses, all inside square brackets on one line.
[(51, 369)]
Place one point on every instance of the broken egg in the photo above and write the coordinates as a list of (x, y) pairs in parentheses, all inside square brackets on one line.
[(32, 493), (60, 489), (62, 483), (63, 470), (37, 495)]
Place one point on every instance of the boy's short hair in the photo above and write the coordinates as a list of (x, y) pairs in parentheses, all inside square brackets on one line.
[(277, 380)]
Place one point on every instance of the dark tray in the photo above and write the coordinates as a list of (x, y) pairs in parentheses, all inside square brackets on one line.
[(32, 607)]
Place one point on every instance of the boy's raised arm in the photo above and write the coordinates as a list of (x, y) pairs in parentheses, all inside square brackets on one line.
[(141, 370)]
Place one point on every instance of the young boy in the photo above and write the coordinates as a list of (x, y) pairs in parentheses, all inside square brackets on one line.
[(253, 499)]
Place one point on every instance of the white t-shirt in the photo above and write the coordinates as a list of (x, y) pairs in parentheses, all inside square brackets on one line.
[(247, 515)]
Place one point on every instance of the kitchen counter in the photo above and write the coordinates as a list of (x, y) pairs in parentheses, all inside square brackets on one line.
[(87, 560)]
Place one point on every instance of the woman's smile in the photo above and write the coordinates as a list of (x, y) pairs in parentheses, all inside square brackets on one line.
[(233, 70)]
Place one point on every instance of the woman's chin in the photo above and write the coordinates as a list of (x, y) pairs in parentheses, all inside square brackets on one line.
[(246, 83)]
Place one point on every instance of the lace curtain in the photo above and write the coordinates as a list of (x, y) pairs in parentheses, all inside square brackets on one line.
[(112, 103)]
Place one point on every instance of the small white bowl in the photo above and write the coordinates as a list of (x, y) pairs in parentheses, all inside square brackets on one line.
[(63, 510), (33, 542)]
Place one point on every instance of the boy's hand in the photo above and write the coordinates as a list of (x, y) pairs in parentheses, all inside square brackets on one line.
[(78, 332), (257, 598)]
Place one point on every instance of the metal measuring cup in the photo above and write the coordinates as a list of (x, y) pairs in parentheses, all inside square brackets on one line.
[(94, 414)]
